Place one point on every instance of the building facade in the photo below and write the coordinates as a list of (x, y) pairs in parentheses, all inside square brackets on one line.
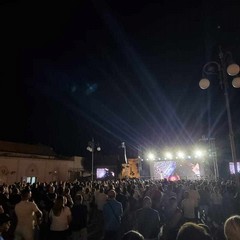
[(36, 163)]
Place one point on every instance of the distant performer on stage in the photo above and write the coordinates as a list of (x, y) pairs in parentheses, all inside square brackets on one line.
[(161, 175)]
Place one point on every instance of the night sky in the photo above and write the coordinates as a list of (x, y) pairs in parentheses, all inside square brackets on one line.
[(115, 70)]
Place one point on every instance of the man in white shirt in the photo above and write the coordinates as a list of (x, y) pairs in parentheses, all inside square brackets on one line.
[(188, 207), (194, 194), (27, 214), (100, 199)]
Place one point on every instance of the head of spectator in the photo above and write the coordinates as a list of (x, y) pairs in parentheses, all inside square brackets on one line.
[(118, 190), (186, 194), (111, 194), (58, 205), (87, 190), (192, 231), (26, 194), (4, 223), (169, 188), (2, 189), (192, 187), (101, 189), (15, 191), (51, 189), (78, 199), (132, 235), (232, 228), (147, 202)]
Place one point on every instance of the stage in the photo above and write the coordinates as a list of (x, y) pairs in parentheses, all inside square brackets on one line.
[(158, 170)]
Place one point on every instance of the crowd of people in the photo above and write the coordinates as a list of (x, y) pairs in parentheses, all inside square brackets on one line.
[(120, 209)]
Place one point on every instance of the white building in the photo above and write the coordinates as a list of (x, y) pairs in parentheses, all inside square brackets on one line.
[(25, 162)]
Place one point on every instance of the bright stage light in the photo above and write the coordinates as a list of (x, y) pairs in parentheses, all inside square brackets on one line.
[(151, 156), (180, 155), (168, 155), (198, 153)]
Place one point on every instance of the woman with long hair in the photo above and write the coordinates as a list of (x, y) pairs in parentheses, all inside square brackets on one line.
[(60, 218)]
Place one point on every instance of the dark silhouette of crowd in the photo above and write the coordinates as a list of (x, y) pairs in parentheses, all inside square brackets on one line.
[(121, 209)]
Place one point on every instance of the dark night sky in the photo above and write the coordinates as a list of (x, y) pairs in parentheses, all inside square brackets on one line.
[(115, 70)]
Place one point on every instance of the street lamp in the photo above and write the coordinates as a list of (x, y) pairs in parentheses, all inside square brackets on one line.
[(91, 148), (222, 70)]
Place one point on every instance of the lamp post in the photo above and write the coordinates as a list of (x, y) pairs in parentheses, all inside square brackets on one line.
[(91, 148), (222, 71)]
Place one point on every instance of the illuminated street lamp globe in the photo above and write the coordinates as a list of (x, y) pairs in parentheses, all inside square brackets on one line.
[(98, 149), (236, 82), (204, 83), (233, 69)]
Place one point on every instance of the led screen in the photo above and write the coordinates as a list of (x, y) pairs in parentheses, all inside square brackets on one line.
[(163, 169), (104, 173), (173, 170), (231, 167)]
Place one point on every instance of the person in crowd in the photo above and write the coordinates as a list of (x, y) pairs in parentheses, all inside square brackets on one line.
[(120, 197), (232, 228), (4, 200), (147, 220), (79, 219), (4, 224), (168, 193), (173, 220), (188, 207), (60, 217), (227, 202), (192, 231), (15, 197), (66, 193), (112, 213), (87, 199), (216, 198), (194, 195), (100, 199), (136, 194), (50, 197), (28, 216), (179, 189), (156, 196), (204, 202), (132, 235), (132, 207)]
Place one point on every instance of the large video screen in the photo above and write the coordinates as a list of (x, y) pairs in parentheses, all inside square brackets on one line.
[(163, 169), (231, 167), (173, 170), (105, 173)]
